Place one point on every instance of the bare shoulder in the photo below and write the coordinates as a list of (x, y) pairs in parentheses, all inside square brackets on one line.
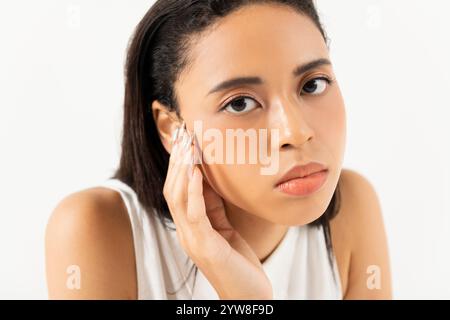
[(89, 247), (359, 240)]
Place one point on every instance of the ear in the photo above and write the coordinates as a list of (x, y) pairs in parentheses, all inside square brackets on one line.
[(166, 123)]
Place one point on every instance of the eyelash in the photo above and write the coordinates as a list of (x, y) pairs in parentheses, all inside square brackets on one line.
[(328, 80)]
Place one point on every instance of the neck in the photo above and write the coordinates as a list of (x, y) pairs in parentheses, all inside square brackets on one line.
[(262, 235)]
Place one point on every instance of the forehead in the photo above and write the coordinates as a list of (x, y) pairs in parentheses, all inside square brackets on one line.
[(255, 40)]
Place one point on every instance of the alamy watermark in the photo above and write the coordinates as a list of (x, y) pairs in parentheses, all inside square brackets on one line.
[(250, 145), (73, 281)]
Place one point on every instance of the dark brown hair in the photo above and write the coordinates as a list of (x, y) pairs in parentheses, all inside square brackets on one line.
[(157, 53)]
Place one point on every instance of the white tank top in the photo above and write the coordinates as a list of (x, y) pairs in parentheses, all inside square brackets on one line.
[(298, 267)]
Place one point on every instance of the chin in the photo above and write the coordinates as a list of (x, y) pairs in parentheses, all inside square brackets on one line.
[(301, 211), (299, 218)]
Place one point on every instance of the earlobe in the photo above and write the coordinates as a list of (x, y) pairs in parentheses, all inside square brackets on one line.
[(166, 123)]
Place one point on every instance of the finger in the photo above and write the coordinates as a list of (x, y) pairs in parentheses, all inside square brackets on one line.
[(215, 208), (180, 174), (178, 187), (172, 174), (175, 145), (174, 158), (196, 210)]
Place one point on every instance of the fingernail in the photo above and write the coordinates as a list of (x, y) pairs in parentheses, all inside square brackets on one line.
[(180, 135), (197, 151), (175, 135), (191, 138), (187, 140), (178, 144), (183, 127)]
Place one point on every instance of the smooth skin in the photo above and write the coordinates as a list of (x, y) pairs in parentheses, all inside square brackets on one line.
[(91, 228)]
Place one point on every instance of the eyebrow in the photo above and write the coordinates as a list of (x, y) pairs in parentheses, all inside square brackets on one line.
[(236, 82)]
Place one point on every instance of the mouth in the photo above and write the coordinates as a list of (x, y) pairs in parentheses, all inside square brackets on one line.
[(303, 180)]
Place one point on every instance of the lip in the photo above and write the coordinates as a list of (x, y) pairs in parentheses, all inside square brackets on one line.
[(303, 180)]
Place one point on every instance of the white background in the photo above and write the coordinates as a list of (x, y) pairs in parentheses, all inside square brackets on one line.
[(61, 91)]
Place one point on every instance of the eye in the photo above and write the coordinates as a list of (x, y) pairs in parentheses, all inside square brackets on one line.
[(316, 86), (240, 105)]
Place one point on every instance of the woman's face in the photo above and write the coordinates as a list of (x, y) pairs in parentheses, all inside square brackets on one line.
[(264, 44)]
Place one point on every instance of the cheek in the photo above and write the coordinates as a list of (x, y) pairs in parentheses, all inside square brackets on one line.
[(330, 128), (240, 184)]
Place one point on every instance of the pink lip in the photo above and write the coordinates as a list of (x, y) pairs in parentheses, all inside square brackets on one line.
[(303, 180)]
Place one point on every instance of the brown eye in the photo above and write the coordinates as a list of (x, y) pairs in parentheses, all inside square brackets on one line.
[(241, 105), (316, 86)]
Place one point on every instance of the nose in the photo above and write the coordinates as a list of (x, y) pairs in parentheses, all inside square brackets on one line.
[(289, 119)]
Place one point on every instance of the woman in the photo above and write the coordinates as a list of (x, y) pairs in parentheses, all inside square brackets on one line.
[(182, 218)]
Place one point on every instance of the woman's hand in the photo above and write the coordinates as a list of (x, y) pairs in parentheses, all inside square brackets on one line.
[(204, 231)]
